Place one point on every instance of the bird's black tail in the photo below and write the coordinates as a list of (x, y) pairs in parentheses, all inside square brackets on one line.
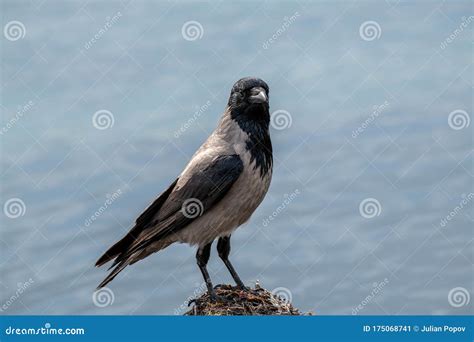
[(115, 252), (118, 268), (118, 248), (122, 251)]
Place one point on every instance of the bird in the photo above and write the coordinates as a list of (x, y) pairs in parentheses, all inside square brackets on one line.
[(219, 189)]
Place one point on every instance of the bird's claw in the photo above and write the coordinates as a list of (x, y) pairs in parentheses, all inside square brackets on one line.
[(195, 301)]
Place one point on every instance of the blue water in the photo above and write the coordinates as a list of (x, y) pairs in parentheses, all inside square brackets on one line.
[(166, 93)]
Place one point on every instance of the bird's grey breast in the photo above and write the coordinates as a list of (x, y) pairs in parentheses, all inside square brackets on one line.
[(251, 187), (245, 195)]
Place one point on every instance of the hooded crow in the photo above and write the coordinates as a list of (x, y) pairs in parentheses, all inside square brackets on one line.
[(222, 185)]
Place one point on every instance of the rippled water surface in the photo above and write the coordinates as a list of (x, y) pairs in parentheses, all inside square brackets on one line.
[(366, 173)]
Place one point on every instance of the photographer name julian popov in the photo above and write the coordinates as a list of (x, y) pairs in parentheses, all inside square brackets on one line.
[(434, 328), (415, 328)]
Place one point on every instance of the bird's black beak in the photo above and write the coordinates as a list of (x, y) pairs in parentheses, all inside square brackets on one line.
[(258, 95)]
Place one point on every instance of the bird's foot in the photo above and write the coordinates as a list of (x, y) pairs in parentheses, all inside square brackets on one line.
[(213, 297)]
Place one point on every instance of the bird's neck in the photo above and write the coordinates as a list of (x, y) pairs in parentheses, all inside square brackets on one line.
[(254, 124)]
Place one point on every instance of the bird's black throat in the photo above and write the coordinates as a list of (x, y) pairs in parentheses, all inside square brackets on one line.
[(254, 120)]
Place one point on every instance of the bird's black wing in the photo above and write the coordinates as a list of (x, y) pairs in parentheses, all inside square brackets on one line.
[(204, 188), (200, 193)]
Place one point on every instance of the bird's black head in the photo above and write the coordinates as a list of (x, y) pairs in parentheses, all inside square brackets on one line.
[(249, 100)]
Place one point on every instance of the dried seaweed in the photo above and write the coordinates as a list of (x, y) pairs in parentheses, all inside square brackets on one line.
[(257, 301)]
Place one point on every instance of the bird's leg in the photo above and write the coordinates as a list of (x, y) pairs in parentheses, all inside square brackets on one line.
[(223, 248), (202, 257)]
